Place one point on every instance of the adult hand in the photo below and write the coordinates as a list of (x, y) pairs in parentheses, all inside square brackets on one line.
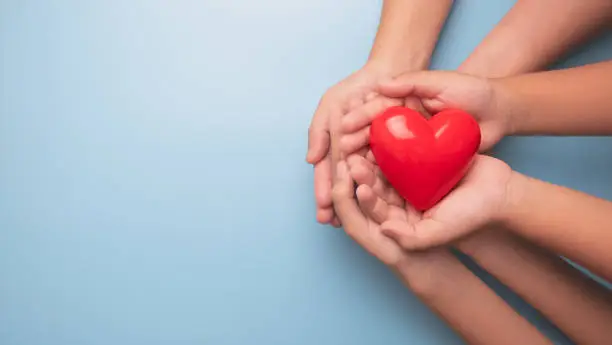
[(363, 229), (323, 135), (437, 90), (361, 218)]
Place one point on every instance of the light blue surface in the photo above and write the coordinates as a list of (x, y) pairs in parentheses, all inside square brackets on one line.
[(153, 188)]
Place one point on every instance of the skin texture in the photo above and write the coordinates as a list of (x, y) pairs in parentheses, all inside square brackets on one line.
[(554, 103), (404, 42), (571, 223), (436, 277), (574, 303), (534, 34), (483, 199)]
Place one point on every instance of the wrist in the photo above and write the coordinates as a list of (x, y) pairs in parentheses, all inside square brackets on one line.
[(425, 273), (392, 65), (505, 106), (517, 186)]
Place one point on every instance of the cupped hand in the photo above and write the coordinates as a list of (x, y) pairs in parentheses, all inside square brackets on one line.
[(360, 227), (478, 201), (437, 90), (323, 135), (375, 203)]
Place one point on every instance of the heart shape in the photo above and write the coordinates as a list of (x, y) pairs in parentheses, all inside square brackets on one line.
[(423, 159)]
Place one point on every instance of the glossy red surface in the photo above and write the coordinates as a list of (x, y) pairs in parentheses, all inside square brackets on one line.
[(424, 159)]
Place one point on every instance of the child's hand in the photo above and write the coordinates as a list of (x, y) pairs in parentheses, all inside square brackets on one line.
[(377, 202), (437, 90), (479, 200), (364, 229)]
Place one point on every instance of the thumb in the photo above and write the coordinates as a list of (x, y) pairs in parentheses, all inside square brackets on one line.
[(422, 235), (396, 88), (433, 106), (423, 84)]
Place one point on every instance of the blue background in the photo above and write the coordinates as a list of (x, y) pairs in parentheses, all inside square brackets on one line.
[(153, 188)]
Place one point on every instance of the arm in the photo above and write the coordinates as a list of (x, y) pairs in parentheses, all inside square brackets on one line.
[(407, 34), (573, 101), (466, 304), (534, 34), (525, 41), (571, 300), (405, 41), (571, 223), (436, 277)]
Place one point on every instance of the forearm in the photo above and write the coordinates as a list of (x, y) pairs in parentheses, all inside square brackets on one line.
[(573, 101), (533, 34), (407, 34), (576, 304), (570, 223), (467, 305)]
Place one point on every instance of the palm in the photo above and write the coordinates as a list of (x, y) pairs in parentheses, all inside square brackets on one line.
[(379, 200), (476, 202)]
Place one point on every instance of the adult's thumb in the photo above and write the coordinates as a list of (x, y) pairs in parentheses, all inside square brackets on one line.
[(422, 235)]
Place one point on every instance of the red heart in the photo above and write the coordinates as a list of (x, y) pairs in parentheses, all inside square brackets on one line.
[(424, 159)]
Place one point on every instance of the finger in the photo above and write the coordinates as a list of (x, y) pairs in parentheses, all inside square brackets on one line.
[(318, 135), (458, 214), (417, 104), (361, 170), (325, 215), (362, 152), (361, 117), (335, 136), (422, 235), (323, 183), (364, 172), (423, 84), (355, 103), (335, 222), (370, 156), (345, 204), (412, 215), (370, 96), (372, 206), (350, 143), (433, 105)]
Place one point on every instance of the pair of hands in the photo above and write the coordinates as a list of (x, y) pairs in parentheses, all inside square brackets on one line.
[(378, 218), (325, 132)]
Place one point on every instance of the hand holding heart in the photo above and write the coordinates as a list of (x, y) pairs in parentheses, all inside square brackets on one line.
[(424, 160), (437, 90), (477, 201)]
